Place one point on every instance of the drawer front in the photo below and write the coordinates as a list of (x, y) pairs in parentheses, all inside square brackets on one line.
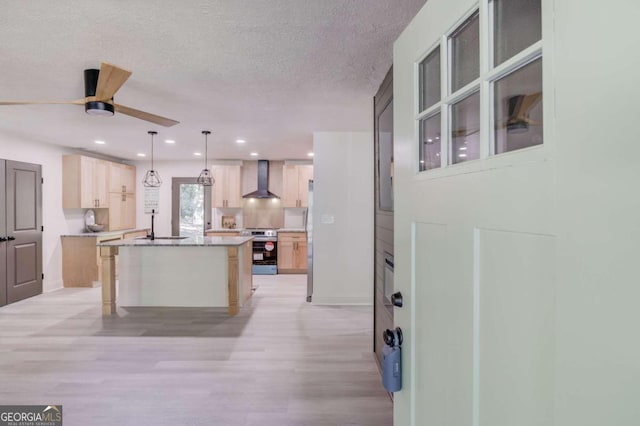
[(292, 236)]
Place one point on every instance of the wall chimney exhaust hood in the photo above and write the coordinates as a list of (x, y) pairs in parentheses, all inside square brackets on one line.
[(263, 182)]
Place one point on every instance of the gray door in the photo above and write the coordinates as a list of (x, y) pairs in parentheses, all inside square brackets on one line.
[(190, 207), (3, 236), (383, 249), (23, 227)]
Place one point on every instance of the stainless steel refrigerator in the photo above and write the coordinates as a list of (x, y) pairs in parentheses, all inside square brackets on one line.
[(309, 227)]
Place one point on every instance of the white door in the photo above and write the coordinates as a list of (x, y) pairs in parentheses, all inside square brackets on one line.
[(474, 240)]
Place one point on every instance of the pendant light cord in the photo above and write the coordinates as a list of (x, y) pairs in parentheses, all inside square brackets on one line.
[(152, 133), (206, 147)]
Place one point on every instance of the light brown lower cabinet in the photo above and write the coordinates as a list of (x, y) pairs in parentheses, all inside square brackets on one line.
[(81, 263), (292, 253)]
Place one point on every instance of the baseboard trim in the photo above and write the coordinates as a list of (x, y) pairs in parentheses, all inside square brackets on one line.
[(49, 286), (359, 301)]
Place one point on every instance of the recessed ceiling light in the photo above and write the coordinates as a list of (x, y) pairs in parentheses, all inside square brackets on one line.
[(463, 148), (254, 154), (429, 140), (240, 141), (169, 141), (140, 154), (462, 155), (100, 142), (198, 154), (310, 154)]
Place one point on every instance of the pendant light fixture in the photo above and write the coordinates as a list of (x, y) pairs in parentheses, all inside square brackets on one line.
[(152, 177), (205, 178)]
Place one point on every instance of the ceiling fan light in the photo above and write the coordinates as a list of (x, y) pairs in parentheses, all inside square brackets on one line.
[(517, 127), (205, 178), (98, 108)]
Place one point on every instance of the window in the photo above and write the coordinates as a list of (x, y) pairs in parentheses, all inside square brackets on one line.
[(465, 129), (504, 87), (517, 24), (430, 142), (518, 108), (430, 80), (465, 53)]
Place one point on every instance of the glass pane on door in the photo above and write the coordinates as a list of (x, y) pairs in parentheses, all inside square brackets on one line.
[(191, 210)]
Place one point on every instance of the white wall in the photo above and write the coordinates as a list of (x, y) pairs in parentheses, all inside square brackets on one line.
[(56, 221), (343, 195)]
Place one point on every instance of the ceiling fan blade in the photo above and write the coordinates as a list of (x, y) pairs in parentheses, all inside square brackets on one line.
[(527, 103), (76, 102), (458, 133), (110, 79), (146, 116)]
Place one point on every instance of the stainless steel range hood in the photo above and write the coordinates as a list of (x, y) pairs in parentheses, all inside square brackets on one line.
[(263, 182)]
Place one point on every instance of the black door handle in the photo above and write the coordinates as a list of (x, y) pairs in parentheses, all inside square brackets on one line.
[(11, 238), (396, 299), (389, 337)]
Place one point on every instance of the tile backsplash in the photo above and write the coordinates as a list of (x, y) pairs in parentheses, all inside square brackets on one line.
[(263, 213)]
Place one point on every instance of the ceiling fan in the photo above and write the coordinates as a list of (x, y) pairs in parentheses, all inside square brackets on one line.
[(462, 132), (519, 108), (99, 88)]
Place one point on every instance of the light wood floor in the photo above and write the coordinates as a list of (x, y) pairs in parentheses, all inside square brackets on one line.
[(280, 362)]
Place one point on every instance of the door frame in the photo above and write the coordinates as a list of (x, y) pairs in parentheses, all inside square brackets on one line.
[(3, 229), (175, 204)]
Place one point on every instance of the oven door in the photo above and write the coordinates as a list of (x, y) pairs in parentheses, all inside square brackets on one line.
[(265, 257)]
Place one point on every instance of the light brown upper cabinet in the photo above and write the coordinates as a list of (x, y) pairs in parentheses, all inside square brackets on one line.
[(122, 197), (85, 182), (122, 211), (122, 178), (227, 186), (90, 183), (295, 183)]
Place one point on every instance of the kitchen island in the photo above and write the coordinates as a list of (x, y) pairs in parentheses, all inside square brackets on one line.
[(170, 271)]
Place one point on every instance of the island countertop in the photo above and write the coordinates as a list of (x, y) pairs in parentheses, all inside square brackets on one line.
[(179, 242), (106, 233)]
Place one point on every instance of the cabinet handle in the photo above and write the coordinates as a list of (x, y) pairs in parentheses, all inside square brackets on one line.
[(11, 238), (124, 188)]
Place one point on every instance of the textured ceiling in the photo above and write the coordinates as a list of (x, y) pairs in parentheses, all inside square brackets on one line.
[(268, 71)]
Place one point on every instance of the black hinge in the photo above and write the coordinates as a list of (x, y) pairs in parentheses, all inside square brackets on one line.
[(43, 276)]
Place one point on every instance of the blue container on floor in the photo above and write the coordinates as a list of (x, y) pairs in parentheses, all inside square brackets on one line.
[(392, 364)]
